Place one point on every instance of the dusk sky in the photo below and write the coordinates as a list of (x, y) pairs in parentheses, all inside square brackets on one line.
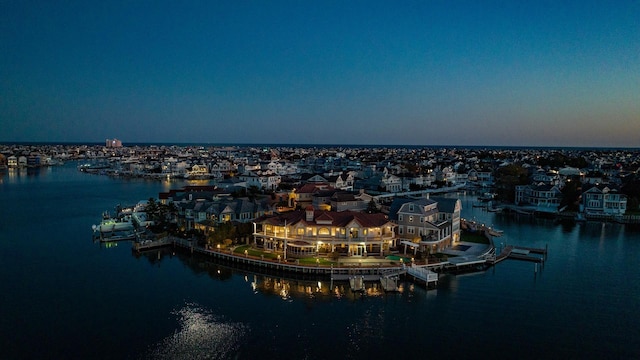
[(513, 73)]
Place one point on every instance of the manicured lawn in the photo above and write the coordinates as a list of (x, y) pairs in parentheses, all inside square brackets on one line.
[(406, 260), (254, 252), (321, 261), (271, 256)]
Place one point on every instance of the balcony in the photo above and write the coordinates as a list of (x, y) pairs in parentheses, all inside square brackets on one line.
[(325, 238)]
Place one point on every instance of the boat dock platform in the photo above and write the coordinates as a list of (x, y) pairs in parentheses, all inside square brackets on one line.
[(519, 253), (522, 253), (423, 274), (151, 244), (377, 271)]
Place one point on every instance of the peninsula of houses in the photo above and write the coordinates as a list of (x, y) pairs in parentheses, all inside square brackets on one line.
[(348, 202)]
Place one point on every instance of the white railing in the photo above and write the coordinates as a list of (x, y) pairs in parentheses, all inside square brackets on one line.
[(422, 273)]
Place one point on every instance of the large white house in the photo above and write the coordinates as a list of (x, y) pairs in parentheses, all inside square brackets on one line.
[(309, 232), (601, 199)]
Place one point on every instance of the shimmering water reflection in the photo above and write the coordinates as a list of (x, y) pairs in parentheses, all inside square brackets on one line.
[(199, 335)]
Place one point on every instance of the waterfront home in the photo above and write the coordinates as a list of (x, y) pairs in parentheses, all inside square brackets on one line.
[(427, 225), (420, 180), (543, 196), (12, 161), (481, 178), (601, 199), (197, 171), (382, 181), (267, 179), (310, 232)]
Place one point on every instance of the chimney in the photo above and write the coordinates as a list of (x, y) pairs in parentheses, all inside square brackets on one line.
[(309, 211)]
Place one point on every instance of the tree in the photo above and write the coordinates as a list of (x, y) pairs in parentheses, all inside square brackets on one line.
[(571, 195), (152, 210), (506, 178), (631, 188), (372, 207), (222, 232)]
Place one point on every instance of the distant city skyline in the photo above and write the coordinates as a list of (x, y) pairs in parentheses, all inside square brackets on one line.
[(558, 73)]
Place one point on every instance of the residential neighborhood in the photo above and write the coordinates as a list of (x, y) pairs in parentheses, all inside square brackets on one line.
[(354, 200)]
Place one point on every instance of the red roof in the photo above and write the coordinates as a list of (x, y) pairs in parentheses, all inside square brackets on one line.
[(339, 218)]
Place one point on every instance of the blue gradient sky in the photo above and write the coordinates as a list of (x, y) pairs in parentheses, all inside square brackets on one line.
[(543, 73)]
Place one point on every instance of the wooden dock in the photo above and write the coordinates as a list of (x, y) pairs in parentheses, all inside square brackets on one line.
[(519, 253), (506, 251), (532, 250), (522, 253), (386, 275)]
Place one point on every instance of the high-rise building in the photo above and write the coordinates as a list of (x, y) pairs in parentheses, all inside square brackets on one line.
[(113, 143)]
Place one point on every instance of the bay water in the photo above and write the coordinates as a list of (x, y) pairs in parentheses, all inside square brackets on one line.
[(64, 296)]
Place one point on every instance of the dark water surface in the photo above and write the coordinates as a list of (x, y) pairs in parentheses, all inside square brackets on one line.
[(63, 296)]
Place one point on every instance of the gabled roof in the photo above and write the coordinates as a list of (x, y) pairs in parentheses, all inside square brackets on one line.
[(418, 207), (236, 206), (396, 205), (312, 188), (324, 218), (545, 187), (343, 196), (446, 205)]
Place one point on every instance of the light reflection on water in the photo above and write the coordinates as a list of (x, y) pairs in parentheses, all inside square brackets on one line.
[(200, 335)]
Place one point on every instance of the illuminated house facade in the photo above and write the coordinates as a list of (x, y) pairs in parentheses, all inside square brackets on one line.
[(601, 199), (309, 232), (428, 225)]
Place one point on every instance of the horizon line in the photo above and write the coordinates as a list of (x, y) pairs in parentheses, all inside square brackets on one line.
[(147, 143)]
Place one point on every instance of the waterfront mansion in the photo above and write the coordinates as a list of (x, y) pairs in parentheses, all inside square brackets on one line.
[(310, 232), (424, 225)]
